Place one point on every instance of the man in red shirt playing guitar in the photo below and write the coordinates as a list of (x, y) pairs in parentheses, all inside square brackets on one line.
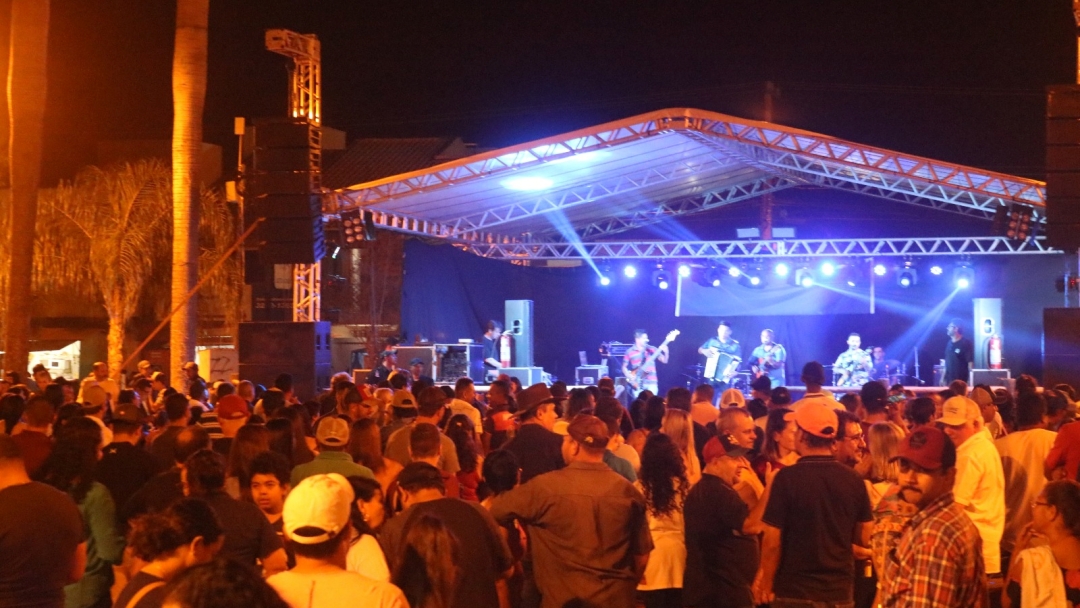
[(639, 362)]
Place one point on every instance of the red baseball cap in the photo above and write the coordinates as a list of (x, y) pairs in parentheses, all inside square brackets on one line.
[(722, 445), (232, 407), (927, 447)]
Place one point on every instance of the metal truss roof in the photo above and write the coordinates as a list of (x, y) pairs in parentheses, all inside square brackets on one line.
[(597, 182), (755, 249)]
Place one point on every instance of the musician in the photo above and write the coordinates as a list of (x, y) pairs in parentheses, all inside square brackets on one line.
[(728, 354), (634, 362), (769, 358), (492, 331), (959, 353), (854, 364), (881, 366)]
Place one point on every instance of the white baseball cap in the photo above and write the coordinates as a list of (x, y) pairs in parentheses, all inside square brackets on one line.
[(321, 502)]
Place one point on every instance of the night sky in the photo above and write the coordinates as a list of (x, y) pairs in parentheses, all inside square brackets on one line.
[(955, 80)]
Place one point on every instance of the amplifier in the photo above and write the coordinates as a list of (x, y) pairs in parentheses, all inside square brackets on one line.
[(990, 377), (527, 375), (589, 374), (405, 354), (459, 360)]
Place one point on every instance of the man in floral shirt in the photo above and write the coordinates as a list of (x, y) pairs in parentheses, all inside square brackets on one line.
[(938, 559)]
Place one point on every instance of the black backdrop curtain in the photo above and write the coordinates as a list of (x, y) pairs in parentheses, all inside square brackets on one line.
[(449, 294)]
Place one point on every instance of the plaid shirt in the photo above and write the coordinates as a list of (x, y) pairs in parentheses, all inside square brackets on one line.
[(937, 562)]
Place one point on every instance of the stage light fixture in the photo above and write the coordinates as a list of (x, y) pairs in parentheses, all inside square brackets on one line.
[(684, 271), (526, 183), (880, 270), (907, 276), (936, 270), (604, 280), (850, 275), (734, 271), (782, 269), (804, 277), (964, 276), (629, 271), (755, 281), (828, 269), (661, 278), (712, 276)]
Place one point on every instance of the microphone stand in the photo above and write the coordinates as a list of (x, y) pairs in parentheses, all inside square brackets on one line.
[(918, 376)]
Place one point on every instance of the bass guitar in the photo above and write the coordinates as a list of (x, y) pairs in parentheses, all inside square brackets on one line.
[(632, 374)]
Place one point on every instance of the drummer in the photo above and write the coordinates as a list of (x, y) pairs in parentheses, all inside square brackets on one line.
[(881, 366)]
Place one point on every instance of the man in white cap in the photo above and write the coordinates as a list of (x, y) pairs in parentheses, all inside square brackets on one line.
[(332, 435), (980, 480), (316, 524)]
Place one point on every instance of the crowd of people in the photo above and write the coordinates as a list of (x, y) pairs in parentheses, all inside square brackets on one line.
[(401, 493)]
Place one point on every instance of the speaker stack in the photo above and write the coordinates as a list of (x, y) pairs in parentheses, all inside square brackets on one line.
[(1063, 166)]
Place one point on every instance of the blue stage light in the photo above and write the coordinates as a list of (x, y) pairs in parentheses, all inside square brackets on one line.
[(605, 281), (782, 269), (734, 271), (526, 183), (964, 276), (663, 284), (963, 283), (804, 277), (936, 270), (684, 271), (880, 270), (629, 271), (755, 281), (828, 269)]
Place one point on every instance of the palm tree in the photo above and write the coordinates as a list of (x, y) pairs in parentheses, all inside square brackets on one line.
[(189, 93), (99, 237), (26, 112)]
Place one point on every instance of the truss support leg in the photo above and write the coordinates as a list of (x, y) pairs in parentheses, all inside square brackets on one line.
[(307, 292)]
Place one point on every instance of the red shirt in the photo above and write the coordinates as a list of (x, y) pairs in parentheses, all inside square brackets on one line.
[(35, 448), (1066, 450)]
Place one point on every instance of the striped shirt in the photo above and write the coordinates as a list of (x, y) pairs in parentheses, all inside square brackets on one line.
[(937, 561)]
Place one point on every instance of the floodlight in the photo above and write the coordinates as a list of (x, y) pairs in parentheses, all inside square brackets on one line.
[(734, 271), (661, 278), (828, 269), (684, 270), (964, 276), (936, 270), (629, 271), (804, 277), (712, 276), (880, 270), (782, 269), (605, 281)]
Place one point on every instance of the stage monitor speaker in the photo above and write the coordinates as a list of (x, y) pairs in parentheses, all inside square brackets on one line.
[(1063, 166), (527, 375), (300, 349), (519, 323), (1061, 346), (990, 377), (987, 325), (588, 375)]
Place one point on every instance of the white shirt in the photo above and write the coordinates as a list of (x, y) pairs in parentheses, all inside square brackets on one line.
[(703, 412), (457, 406), (335, 589), (980, 489), (106, 432), (108, 385), (366, 558), (1022, 456), (667, 561)]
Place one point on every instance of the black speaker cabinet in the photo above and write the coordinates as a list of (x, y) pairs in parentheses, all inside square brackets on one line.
[(1063, 166), (300, 349), (1061, 346)]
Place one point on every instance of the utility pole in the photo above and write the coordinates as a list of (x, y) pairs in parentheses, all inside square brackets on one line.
[(767, 198)]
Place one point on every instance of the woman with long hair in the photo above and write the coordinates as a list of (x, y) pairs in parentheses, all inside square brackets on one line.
[(250, 441), (779, 448), (71, 468), (365, 447), (426, 569), (367, 515), (303, 443), (662, 481), (281, 438), (184, 535), (1049, 574), (677, 425), (462, 432), (891, 513)]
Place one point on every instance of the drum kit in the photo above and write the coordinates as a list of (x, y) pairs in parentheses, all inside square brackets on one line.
[(889, 373)]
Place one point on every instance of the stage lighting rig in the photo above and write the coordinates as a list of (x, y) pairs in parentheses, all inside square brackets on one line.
[(937, 270), (964, 276), (629, 271), (828, 269), (712, 276), (604, 280), (684, 271), (850, 274), (880, 270), (734, 272), (782, 269), (661, 278), (907, 276), (804, 277)]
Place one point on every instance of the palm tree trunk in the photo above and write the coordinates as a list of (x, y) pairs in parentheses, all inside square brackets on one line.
[(26, 111), (189, 93), (115, 343)]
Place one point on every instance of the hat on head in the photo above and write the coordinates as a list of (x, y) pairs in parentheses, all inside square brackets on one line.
[(94, 396), (589, 431), (143, 364), (190, 365), (959, 410), (128, 412), (533, 397), (416, 361), (762, 383), (722, 445), (404, 399), (982, 397), (320, 503), (817, 419), (732, 397), (160, 377), (333, 432), (925, 447), (232, 407)]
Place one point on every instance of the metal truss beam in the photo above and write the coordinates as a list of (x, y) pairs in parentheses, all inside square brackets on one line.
[(306, 292), (588, 193), (752, 249), (407, 224), (544, 151), (686, 206), (811, 147)]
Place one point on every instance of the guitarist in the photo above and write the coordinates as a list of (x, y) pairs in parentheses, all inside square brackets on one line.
[(639, 363), (722, 344), (768, 359)]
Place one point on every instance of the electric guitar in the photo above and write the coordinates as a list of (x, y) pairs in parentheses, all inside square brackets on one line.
[(765, 364), (632, 374)]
